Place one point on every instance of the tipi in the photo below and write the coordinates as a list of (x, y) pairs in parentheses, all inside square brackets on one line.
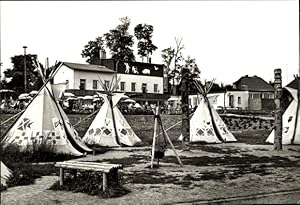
[(290, 121), (5, 173), (206, 125), (109, 127), (44, 121)]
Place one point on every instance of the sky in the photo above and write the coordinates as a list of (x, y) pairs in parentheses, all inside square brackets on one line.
[(228, 39)]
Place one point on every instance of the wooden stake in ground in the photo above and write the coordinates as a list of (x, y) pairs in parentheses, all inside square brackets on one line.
[(278, 110), (154, 136), (158, 122), (185, 125)]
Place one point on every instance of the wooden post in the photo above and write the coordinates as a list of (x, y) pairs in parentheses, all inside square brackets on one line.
[(154, 136), (105, 181), (61, 176), (185, 125), (278, 110), (169, 140)]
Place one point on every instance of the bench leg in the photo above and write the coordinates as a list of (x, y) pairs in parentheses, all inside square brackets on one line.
[(75, 174), (61, 176), (115, 175), (105, 181)]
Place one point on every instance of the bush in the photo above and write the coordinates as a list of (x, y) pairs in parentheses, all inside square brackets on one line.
[(25, 174), (91, 183), (12, 153)]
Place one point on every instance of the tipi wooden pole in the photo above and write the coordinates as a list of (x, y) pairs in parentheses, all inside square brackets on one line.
[(113, 118), (85, 118), (278, 110), (154, 137), (169, 140), (2, 123)]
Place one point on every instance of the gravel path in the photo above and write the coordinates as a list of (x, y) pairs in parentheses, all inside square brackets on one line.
[(170, 187)]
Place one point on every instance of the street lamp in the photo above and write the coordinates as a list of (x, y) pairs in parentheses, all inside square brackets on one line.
[(25, 83)]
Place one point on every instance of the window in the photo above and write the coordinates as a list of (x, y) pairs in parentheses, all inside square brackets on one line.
[(268, 95), (95, 84), (254, 95), (239, 100), (106, 83), (122, 85), (155, 88), (133, 87), (144, 87), (82, 84)]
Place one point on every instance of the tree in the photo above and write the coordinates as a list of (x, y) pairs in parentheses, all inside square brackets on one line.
[(92, 50), (33, 78), (120, 42), (174, 55), (143, 33)]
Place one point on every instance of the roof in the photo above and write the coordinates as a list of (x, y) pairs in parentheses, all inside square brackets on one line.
[(253, 83), (88, 67), (134, 68), (294, 84)]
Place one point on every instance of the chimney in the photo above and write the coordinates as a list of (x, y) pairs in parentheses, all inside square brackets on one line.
[(102, 55)]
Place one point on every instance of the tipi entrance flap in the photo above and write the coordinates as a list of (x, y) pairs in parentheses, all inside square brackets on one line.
[(109, 127)]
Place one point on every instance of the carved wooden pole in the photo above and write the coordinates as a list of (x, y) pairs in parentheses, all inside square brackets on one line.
[(185, 125), (278, 110)]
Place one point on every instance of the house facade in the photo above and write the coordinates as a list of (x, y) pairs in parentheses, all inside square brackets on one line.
[(143, 82), (260, 93), (248, 93), (82, 79)]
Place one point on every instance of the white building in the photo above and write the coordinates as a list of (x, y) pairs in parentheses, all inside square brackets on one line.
[(82, 76), (230, 99), (143, 81)]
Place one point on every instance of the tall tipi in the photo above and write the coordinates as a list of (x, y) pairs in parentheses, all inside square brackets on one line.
[(5, 173), (44, 121), (206, 125), (109, 127), (290, 121)]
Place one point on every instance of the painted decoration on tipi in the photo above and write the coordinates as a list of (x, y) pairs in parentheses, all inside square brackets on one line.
[(5, 173), (44, 121), (290, 122), (102, 130)]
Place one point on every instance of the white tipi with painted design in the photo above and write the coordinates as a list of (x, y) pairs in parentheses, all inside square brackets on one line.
[(110, 128), (44, 121), (206, 125)]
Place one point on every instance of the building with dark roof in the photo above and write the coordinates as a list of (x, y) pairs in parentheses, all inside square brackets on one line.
[(143, 82), (260, 93)]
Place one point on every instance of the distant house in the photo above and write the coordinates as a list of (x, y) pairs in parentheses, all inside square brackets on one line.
[(83, 79), (260, 93), (248, 93)]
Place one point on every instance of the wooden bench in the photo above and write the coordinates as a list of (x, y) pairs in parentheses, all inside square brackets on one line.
[(104, 168)]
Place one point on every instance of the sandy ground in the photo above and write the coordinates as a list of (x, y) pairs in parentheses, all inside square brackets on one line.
[(262, 171)]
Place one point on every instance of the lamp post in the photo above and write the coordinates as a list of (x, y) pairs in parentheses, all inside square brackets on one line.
[(117, 67), (25, 82)]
